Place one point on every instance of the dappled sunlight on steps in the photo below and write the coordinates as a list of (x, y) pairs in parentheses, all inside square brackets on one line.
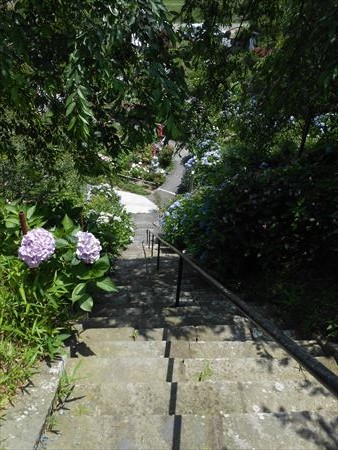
[(201, 376)]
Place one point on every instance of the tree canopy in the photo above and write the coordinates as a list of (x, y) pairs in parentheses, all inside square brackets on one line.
[(293, 76), (83, 75)]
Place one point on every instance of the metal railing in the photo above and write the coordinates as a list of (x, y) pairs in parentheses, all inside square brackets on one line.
[(325, 376)]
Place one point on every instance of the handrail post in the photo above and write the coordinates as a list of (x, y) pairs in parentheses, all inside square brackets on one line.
[(147, 236), (152, 245), (179, 281), (149, 239), (158, 254)]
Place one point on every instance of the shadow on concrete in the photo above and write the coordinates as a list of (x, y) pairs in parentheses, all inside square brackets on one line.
[(311, 427)]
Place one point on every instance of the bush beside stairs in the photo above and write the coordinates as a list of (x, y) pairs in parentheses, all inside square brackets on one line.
[(198, 377)]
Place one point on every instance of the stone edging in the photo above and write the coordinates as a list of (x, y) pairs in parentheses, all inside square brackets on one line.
[(23, 423)]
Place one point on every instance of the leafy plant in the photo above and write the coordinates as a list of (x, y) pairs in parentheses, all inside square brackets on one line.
[(16, 366), (108, 220), (165, 156), (65, 388), (135, 334), (51, 98), (37, 304)]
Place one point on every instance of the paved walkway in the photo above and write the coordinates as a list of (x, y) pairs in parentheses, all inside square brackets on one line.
[(170, 187), (135, 203)]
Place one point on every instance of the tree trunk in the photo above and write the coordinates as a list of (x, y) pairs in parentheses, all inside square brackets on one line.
[(305, 132)]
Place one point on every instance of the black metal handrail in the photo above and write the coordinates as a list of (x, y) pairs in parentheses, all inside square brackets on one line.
[(314, 367)]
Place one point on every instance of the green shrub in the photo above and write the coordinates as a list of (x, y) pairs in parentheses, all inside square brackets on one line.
[(141, 164), (107, 219), (275, 224), (37, 301), (165, 156), (264, 219)]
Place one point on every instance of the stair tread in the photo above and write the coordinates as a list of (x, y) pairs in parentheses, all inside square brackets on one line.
[(302, 430), (140, 369), (150, 377), (100, 345), (201, 398)]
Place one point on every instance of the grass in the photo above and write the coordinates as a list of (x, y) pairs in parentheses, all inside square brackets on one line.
[(16, 367), (133, 187), (176, 6), (205, 374)]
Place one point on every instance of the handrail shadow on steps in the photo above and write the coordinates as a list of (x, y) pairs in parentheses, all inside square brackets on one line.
[(325, 376)]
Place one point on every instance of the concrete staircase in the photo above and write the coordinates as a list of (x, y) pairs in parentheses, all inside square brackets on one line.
[(150, 376)]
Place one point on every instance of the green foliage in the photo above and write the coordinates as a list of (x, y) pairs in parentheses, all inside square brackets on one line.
[(57, 191), (37, 305), (65, 388), (286, 84), (107, 219), (267, 219), (85, 75), (136, 187), (142, 165), (206, 373), (63, 394), (16, 366), (263, 218), (165, 156)]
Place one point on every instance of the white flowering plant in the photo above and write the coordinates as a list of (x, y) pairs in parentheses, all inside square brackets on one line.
[(108, 220), (145, 165)]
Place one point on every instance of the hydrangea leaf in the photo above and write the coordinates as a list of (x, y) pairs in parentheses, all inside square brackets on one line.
[(67, 223), (97, 270), (78, 292), (88, 303), (107, 285)]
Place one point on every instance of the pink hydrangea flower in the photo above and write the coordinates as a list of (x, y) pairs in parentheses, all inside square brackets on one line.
[(37, 246), (88, 247)]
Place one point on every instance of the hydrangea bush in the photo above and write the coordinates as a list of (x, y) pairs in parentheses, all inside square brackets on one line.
[(65, 262), (47, 278), (143, 164), (203, 164), (108, 220)]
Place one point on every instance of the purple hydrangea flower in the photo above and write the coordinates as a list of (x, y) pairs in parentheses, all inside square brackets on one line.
[(88, 247), (36, 247)]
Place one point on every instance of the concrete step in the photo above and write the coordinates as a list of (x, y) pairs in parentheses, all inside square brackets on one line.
[(93, 344), (192, 326), (202, 398), (261, 431), (213, 312), (106, 305), (158, 295), (143, 369), (108, 329), (152, 317)]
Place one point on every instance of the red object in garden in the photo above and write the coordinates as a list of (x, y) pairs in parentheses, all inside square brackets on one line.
[(160, 129), (154, 150)]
